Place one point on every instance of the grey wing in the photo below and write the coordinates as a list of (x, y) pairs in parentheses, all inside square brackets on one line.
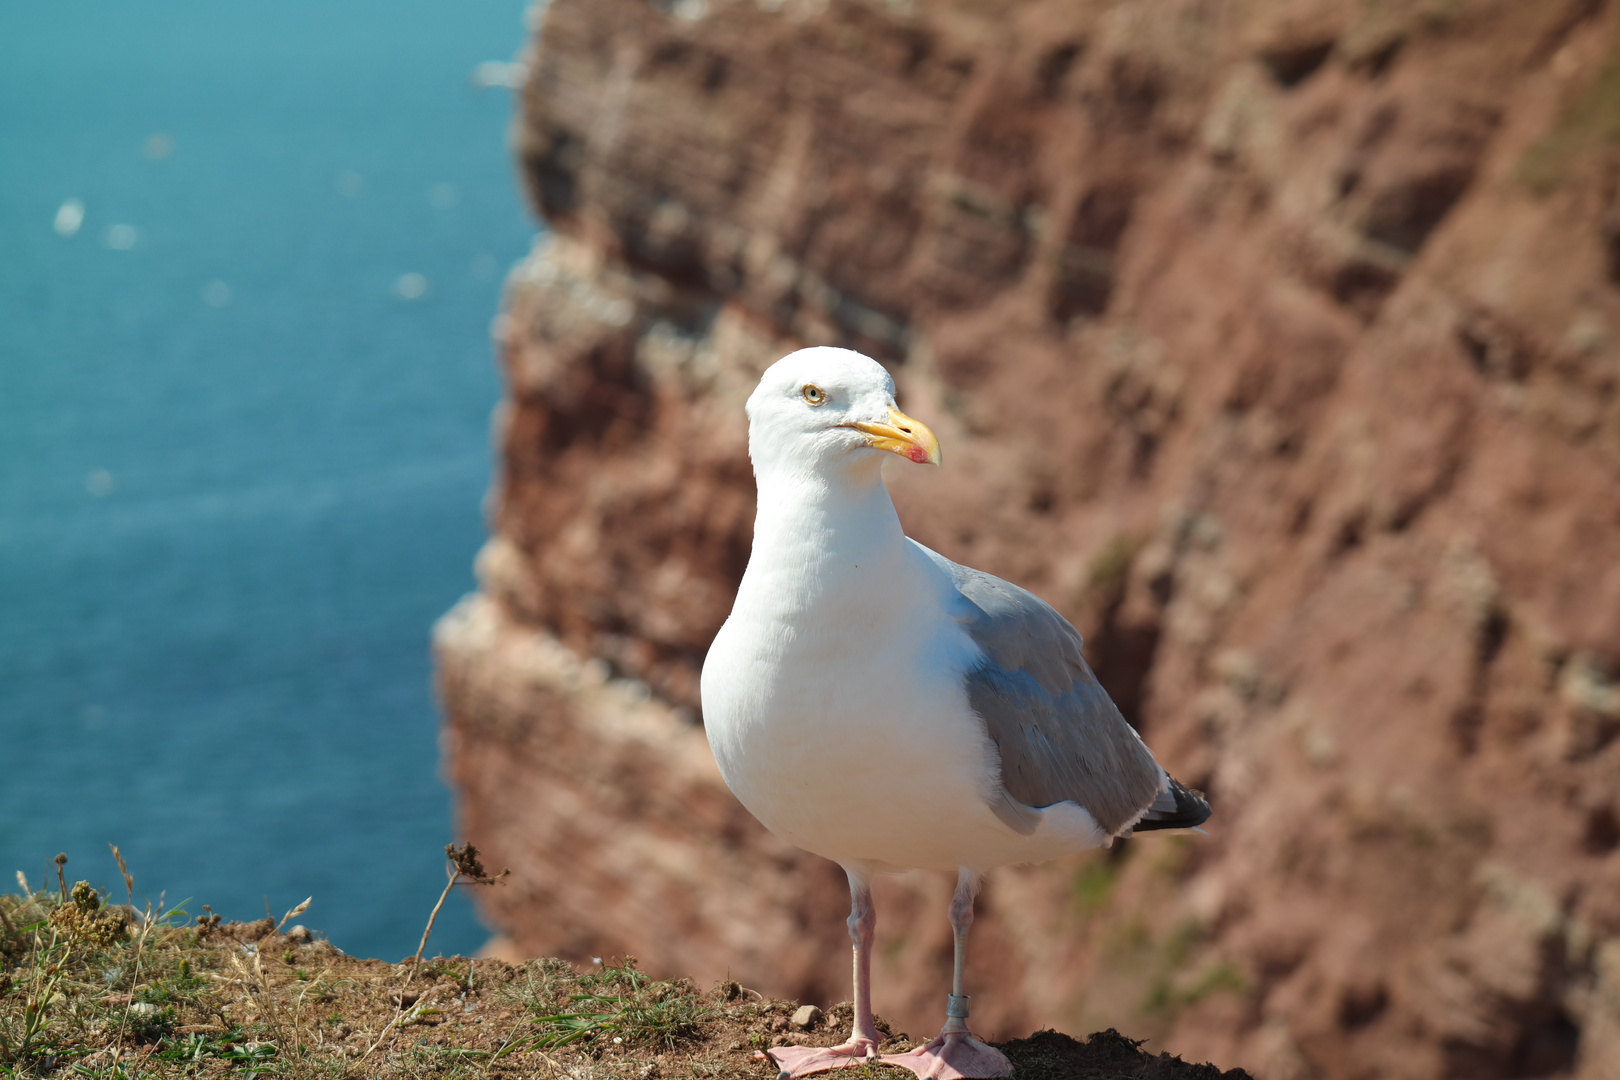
[(1060, 736)]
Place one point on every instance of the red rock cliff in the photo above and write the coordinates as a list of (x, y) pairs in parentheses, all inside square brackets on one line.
[(1275, 342)]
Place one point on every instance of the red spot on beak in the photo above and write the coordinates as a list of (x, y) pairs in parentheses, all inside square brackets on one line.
[(917, 454)]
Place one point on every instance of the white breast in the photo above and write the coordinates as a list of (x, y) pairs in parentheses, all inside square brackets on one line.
[(838, 716)]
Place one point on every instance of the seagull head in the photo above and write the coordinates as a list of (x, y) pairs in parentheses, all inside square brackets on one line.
[(824, 407)]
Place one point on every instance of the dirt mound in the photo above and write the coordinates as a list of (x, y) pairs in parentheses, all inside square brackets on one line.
[(1107, 1055)]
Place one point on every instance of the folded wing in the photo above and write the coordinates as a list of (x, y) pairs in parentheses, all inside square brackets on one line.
[(1060, 736)]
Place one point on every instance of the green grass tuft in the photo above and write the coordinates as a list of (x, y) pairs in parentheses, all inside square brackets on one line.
[(1093, 884), (1591, 120), (624, 1006)]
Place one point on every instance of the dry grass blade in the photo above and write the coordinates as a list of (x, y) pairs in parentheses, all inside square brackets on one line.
[(384, 1033), (129, 880), (299, 910), (298, 1011)]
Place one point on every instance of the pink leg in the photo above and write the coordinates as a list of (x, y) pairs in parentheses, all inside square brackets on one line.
[(954, 1054), (861, 1047)]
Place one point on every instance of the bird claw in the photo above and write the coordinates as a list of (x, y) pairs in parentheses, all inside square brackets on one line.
[(953, 1055)]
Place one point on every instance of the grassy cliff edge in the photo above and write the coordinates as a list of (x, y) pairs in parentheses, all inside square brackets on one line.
[(97, 989)]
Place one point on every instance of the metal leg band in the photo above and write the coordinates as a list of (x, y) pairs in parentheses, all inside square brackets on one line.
[(956, 1006)]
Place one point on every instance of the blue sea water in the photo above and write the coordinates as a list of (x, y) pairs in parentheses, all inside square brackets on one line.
[(242, 449)]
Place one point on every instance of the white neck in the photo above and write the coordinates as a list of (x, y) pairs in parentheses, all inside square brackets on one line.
[(818, 528)]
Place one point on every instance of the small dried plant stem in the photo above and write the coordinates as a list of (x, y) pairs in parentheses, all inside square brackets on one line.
[(464, 867), (148, 922), (298, 1013), (5, 920), (129, 881), (267, 998), (417, 959), (400, 1015)]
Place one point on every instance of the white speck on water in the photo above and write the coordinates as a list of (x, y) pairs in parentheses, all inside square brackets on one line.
[(350, 184), (158, 146), (484, 266), (499, 73), (251, 466), (411, 286), (99, 483), (69, 216), (443, 196), (122, 237), (217, 294)]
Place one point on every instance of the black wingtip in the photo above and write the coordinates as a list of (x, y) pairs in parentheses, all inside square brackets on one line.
[(1191, 811)]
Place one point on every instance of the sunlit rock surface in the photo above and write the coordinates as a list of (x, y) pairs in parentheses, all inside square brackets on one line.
[(1272, 342)]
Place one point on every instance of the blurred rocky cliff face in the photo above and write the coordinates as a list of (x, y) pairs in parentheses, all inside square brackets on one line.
[(1274, 342)]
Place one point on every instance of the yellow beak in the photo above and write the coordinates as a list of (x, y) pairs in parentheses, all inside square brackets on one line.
[(904, 436)]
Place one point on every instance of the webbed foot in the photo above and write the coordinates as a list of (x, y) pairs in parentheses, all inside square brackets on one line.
[(795, 1061), (953, 1055)]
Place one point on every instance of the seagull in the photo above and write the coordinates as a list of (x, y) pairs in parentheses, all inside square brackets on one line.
[(877, 704)]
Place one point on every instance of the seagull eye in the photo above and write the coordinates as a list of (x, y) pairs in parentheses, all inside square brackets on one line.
[(814, 394)]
